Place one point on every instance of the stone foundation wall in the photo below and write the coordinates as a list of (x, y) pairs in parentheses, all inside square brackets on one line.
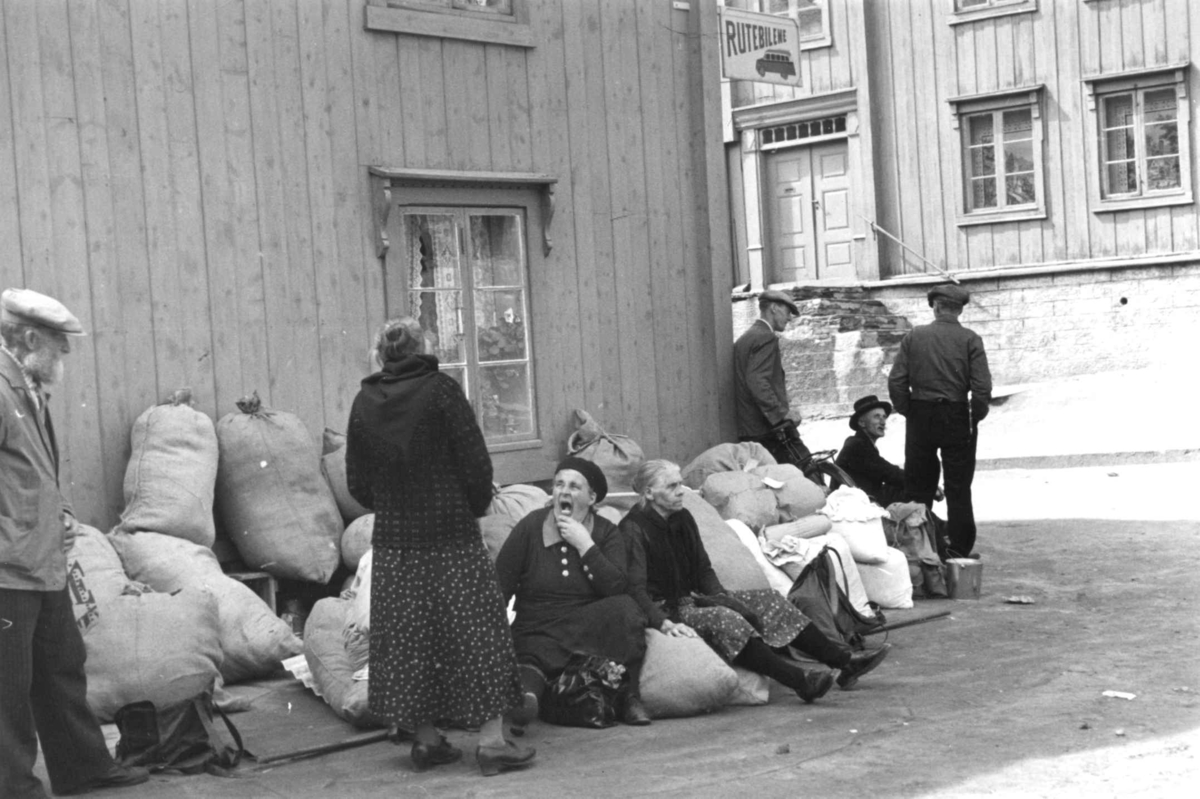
[(1035, 328)]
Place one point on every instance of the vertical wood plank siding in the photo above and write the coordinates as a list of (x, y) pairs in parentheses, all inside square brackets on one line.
[(190, 177), (1056, 46)]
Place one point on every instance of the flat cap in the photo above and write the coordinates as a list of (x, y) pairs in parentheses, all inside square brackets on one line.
[(25, 306), (949, 291), (774, 295)]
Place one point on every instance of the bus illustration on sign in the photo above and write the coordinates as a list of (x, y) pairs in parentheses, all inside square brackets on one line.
[(778, 61)]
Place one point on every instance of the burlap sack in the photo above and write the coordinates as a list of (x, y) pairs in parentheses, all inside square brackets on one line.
[(617, 456), (253, 639), (888, 584), (735, 566), (517, 501), (171, 473), (271, 497), (495, 531), (798, 496), (330, 665), (356, 540), (742, 496), (725, 458), (683, 677), (93, 567), (333, 467), (356, 630)]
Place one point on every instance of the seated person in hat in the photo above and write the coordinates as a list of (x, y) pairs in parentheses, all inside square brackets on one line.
[(567, 567), (882, 481)]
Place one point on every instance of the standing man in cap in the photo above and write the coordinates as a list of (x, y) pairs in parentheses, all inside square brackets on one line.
[(760, 387), (941, 383), (43, 687)]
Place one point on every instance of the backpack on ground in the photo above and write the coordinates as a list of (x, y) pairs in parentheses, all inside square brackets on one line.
[(825, 601), (181, 737)]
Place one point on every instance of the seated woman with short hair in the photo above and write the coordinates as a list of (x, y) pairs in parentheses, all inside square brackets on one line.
[(567, 568)]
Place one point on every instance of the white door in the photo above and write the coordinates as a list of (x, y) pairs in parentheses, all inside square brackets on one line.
[(810, 214)]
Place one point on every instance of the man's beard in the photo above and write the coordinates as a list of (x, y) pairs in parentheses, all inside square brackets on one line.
[(44, 367)]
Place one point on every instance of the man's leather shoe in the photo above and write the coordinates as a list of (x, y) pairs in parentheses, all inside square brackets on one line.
[(116, 777), (492, 760), (815, 685), (860, 663), (633, 712), (425, 756)]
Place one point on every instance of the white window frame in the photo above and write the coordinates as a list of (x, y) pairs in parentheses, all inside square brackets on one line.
[(962, 108), (1137, 82), (989, 10), (825, 39)]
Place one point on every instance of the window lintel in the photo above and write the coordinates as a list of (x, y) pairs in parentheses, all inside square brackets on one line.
[(1168, 75), (990, 101), (513, 31)]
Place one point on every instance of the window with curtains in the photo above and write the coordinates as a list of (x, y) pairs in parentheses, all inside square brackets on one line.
[(1001, 168), (811, 15), (466, 272)]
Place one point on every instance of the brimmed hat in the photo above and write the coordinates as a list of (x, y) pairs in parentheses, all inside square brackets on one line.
[(949, 291), (590, 471), (774, 295), (866, 405), (24, 306)]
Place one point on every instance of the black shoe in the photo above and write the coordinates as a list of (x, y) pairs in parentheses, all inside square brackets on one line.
[(425, 756), (814, 685), (116, 777), (860, 663), (493, 760), (633, 712)]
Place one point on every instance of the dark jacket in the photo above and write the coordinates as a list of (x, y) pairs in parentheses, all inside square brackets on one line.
[(941, 361), (760, 388), (667, 562), (882, 481), (32, 529)]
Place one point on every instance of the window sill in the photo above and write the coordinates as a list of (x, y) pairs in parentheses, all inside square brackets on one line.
[(1161, 201), (1001, 217), (445, 26), (964, 17), (515, 446)]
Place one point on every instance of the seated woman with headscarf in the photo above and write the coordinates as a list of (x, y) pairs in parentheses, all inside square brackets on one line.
[(566, 566), (674, 583)]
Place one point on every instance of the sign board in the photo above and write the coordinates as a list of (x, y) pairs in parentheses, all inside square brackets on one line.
[(760, 47)]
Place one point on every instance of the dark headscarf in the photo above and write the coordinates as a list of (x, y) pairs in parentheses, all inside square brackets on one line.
[(392, 401), (590, 471)]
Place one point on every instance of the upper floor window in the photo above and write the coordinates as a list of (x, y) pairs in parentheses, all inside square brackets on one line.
[(968, 10), (1142, 155), (811, 15), (488, 21), (482, 7)]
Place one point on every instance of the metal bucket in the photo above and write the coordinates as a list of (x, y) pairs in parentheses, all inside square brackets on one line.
[(964, 578)]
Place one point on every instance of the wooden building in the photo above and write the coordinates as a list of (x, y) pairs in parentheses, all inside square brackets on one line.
[(233, 195), (1040, 151)]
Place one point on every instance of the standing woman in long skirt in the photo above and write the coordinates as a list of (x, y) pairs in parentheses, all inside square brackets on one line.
[(441, 649)]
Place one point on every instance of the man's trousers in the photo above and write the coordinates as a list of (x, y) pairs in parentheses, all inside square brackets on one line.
[(945, 427), (43, 693)]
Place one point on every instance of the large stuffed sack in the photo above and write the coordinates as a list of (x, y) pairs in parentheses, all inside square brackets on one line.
[(619, 457), (742, 496), (683, 677), (151, 646), (725, 458), (333, 467), (736, 568), (253, 639), (356, 540), (805, 527), (172, 470), (517, 501), (495, 530), (356, 621), (888, 584), (95, 568), (858, 520), (776, 577), (798, 496), (330, 665), (271, 497), (752, 688)]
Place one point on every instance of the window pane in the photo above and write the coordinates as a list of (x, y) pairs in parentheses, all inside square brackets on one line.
[(1118, 111), (1020, 190), (1162, 173), (440, 314), (971, 3), (500, 325), (1118, 144), (432, 248), (1159, 105), (1122, 178), (983, 161), (809, 17), (506, 397), (458, 373), (1018, 156), (1162, 139), (983, 193), (497, 256), (981, 129), (493, 6), (1018, 124)]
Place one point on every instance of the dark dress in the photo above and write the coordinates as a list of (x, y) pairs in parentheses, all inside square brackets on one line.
[(567, 603), (440, 644), (668, 562), (879, 479)]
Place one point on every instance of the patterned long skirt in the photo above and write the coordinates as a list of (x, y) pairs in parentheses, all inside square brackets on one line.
[(441, 649), (727, 631)]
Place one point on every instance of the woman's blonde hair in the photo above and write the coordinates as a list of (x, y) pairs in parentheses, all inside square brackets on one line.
[(649, 473), (397, 338)]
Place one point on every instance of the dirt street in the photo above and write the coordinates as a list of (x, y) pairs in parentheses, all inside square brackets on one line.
[(998, 700)]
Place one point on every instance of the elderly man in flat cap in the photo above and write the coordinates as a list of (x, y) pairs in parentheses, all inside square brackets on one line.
[(760, 388), (43, 687), (941, 383)]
